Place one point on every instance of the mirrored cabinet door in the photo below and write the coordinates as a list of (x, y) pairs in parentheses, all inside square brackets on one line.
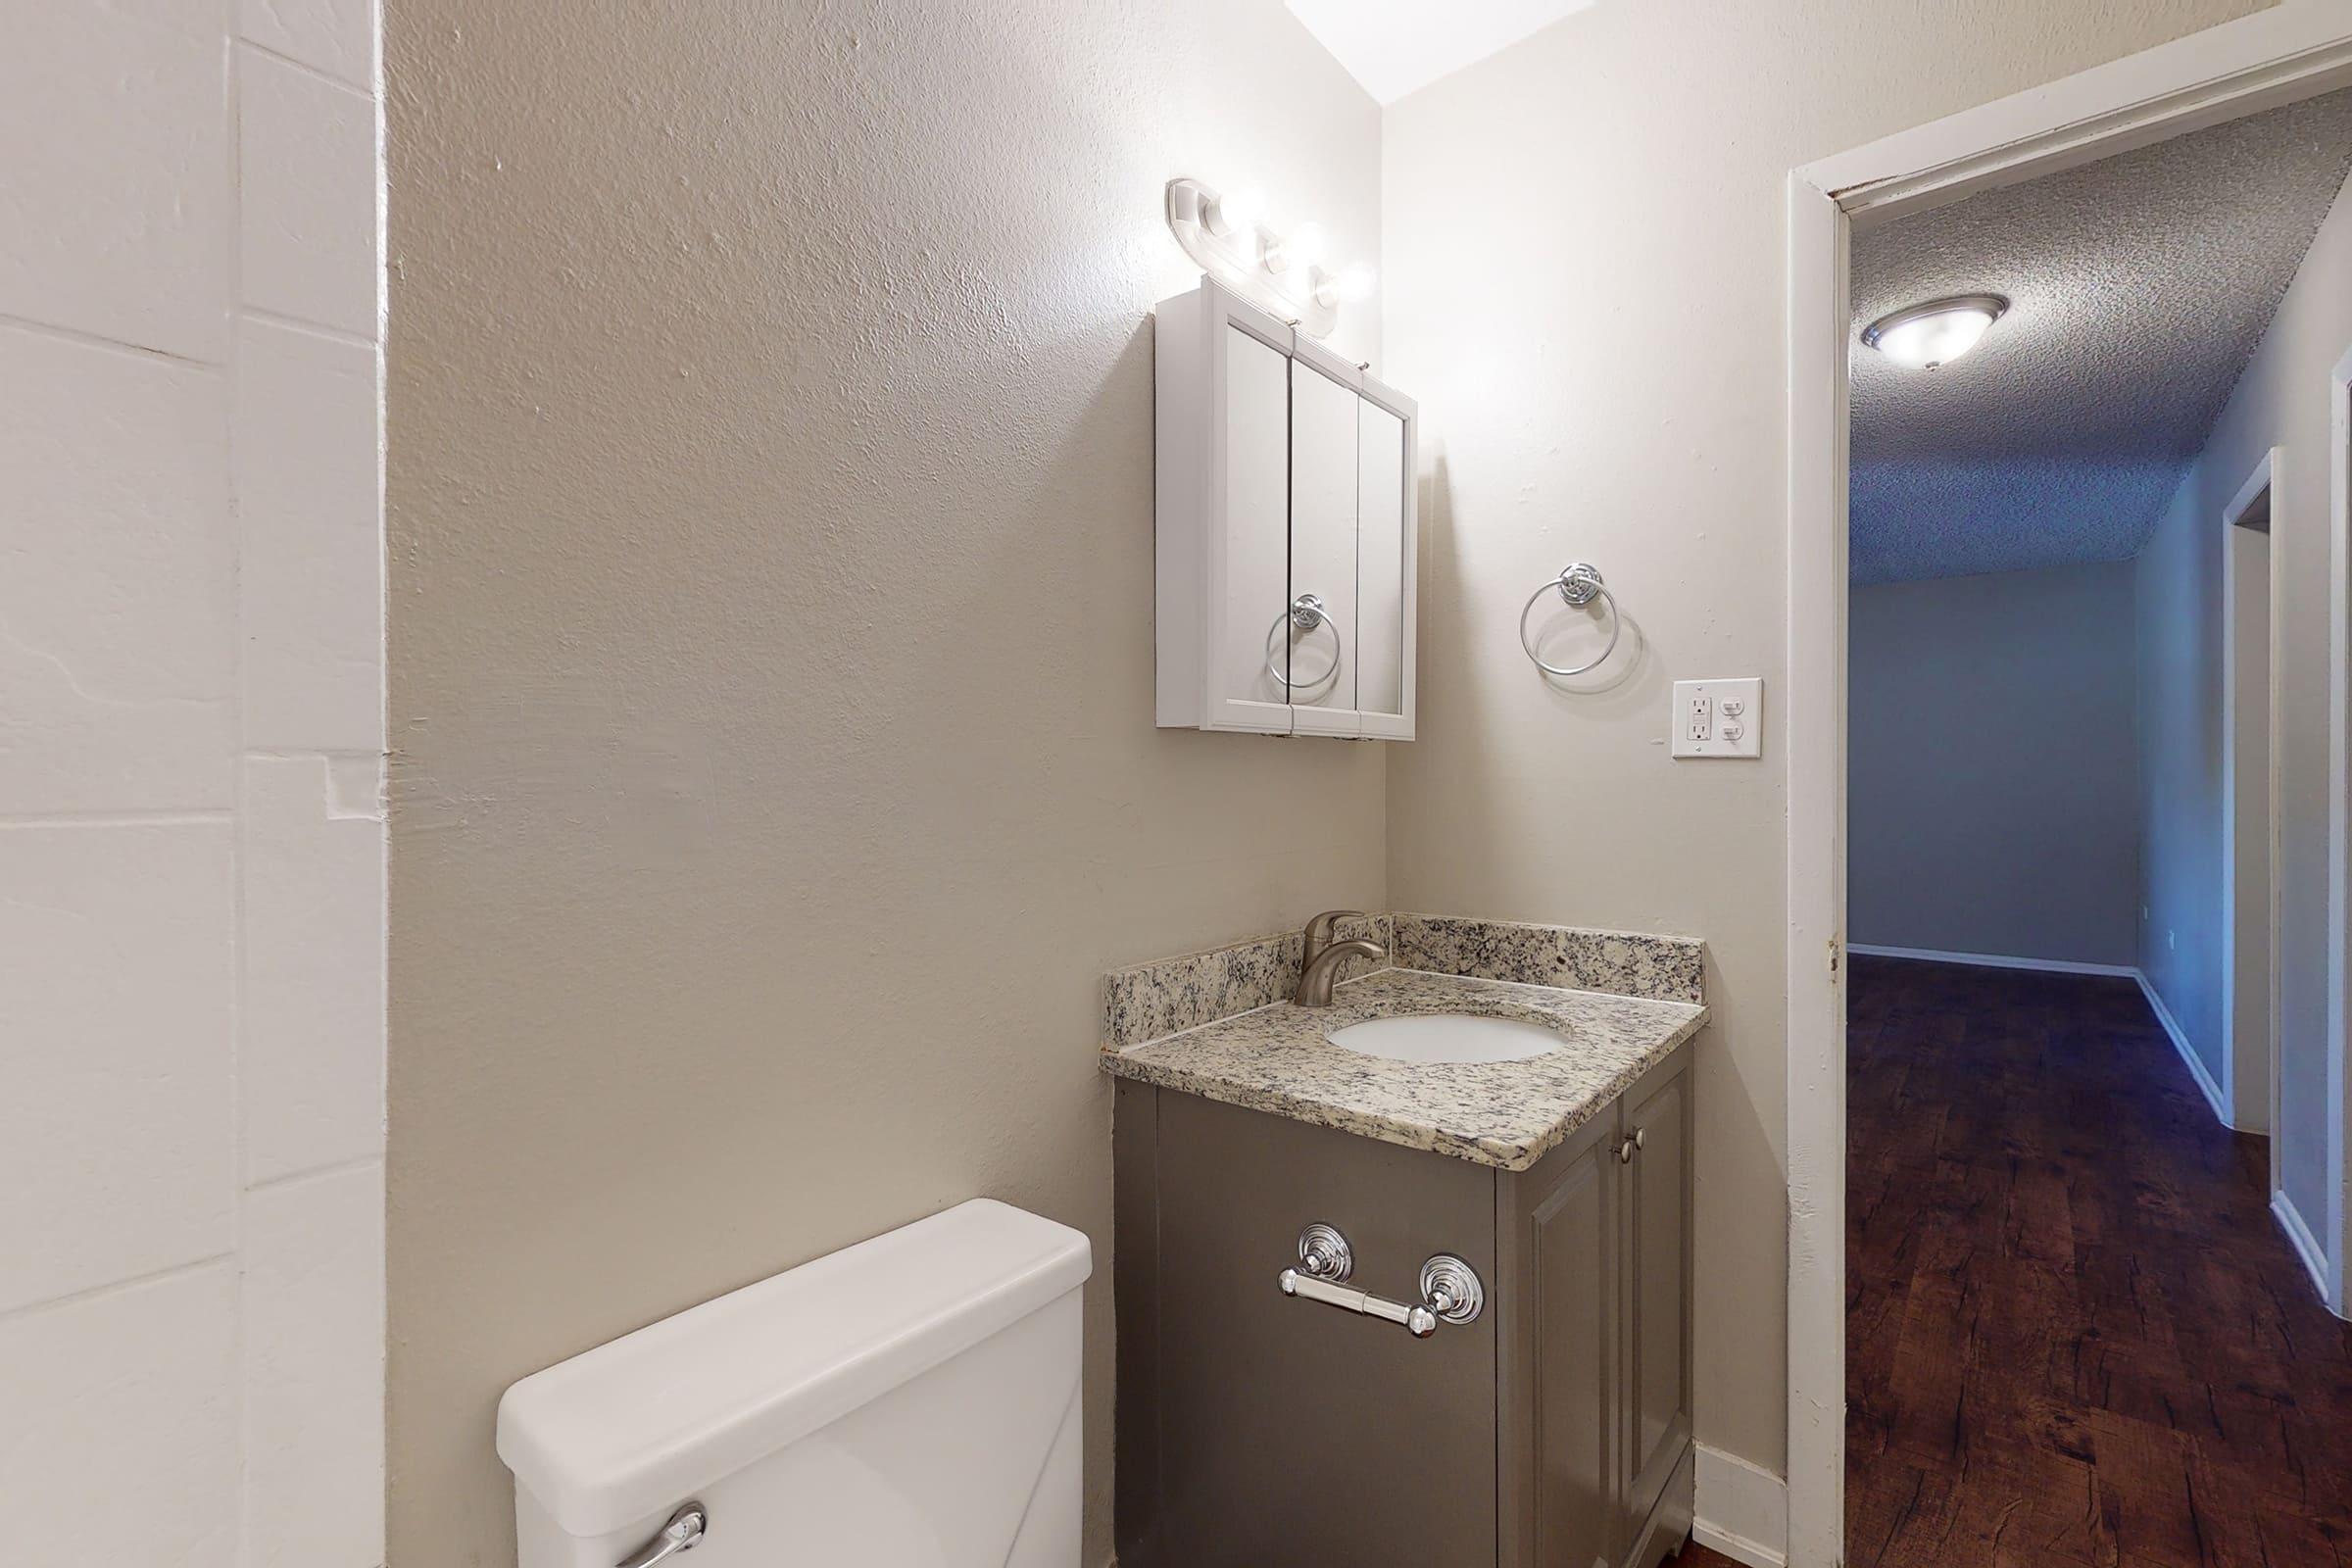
[(1383, 614), (1255, 550), (1283, 529), (1322, 634)]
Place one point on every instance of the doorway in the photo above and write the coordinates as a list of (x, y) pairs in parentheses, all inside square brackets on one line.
[(2271, 58), (2250, 804)]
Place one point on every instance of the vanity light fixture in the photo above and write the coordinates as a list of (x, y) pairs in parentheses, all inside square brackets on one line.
[(1353, 285), (1936, 333), (1283, 271), (1302, 247), (1234, 212)]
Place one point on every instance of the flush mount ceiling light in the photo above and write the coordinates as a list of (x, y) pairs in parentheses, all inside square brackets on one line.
[(1936, 333)]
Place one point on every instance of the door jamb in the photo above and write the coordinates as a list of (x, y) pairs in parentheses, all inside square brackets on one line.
[(2275, 57), (2263, 482), (2338, 1217)]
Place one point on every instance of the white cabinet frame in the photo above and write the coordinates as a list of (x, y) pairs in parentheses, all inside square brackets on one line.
[(1193, 342)]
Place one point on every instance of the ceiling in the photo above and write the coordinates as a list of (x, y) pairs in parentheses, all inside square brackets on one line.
[(2140, 286), (1393, 47)]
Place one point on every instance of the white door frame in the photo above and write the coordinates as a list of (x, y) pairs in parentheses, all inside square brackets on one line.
[(2338, 1219), (2258, 62), (2263, 484)]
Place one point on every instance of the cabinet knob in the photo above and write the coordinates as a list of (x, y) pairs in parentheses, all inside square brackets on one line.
[(1640, 1138), (1625, 1152)]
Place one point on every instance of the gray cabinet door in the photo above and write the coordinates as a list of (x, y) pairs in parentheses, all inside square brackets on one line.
[(1657, 1252), (1292, 1432), (1561, 1495)]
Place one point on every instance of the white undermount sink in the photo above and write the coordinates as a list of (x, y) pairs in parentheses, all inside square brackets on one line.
[(1446, 1037)]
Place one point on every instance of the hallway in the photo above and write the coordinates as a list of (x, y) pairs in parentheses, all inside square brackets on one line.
[(2076, 1334)]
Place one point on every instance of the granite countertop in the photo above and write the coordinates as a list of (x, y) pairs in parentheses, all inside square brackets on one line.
[(1501, 1114)]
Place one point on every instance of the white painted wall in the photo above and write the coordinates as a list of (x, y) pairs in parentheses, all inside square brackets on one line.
[(192, 736), (1992, 764), (2282, 400)]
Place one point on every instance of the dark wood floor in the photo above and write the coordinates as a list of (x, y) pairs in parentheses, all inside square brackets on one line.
[(1695, 1555), (2075, 1334)]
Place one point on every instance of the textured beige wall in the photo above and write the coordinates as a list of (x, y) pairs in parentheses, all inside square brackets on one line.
[(1586, 274), (771, 541)]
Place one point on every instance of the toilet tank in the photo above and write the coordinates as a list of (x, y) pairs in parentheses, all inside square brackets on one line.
[(910, 1401)]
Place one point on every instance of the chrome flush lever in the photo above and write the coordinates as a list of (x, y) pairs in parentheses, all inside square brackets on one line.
[(683, 1533)]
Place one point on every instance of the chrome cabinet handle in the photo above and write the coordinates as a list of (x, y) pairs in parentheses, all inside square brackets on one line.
[(1324, 1255), (1451, 1292), (1625, 1151), (1450, 1289), (683, 1533), (1419, 1321)]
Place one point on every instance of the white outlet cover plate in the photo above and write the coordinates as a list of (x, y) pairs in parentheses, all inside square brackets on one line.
[(1735, 717)]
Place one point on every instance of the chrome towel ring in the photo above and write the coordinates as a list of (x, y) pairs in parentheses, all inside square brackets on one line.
[(1577, 584), (1306, 612)]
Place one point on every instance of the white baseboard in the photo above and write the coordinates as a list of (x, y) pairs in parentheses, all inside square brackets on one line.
[(1743, 1509), (2196, 1069), (1993, 961), (2306, 1245)]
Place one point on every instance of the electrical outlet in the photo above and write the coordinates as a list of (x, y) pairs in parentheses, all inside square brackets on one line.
[(1718, 717)]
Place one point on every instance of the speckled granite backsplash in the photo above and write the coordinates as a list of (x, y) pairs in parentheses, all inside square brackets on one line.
[(1150, 1000), (1622, 964), (1160, 998)]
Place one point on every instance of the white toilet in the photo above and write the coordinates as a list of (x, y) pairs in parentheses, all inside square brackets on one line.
[(908, 1402)]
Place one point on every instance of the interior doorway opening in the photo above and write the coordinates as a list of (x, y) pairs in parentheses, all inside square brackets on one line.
[(2274, 58), (2062, 789), (2250, 804)]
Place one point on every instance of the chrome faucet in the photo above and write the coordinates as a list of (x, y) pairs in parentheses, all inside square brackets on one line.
[(1320, 956)]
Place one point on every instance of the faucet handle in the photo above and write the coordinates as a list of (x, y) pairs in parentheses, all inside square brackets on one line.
[(1318, 931)]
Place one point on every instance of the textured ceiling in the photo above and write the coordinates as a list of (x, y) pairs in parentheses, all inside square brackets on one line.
[(2140, 286)]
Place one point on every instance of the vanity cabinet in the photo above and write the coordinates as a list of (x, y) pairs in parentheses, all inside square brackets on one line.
[(1283, 529), (1594, 1366), (1253, 1427)]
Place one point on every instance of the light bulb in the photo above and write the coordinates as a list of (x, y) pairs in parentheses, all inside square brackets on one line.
[(1301, 247), (1346, 286), (1936, 334), (1235, 212)]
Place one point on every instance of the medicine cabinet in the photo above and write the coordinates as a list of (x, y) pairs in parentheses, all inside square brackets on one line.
[(1285, 532)]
